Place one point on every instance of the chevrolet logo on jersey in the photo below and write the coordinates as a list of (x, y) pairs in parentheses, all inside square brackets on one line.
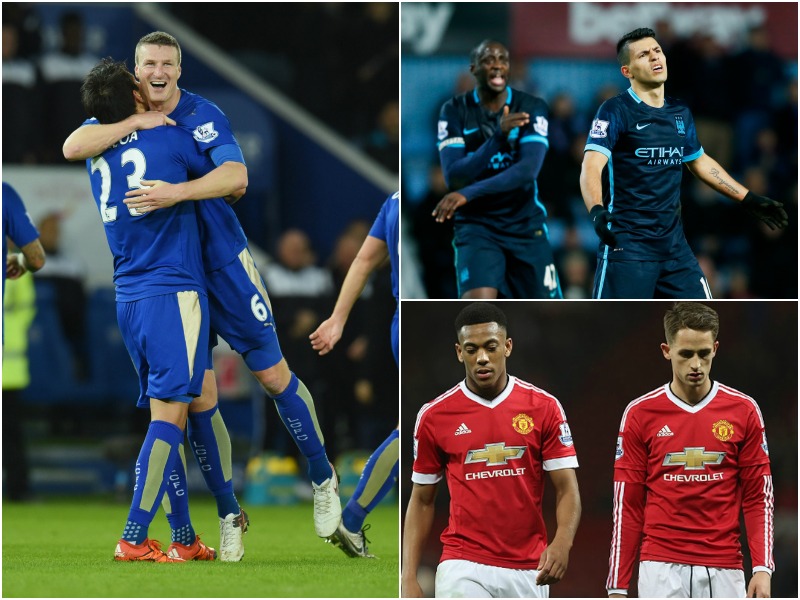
[(494, 454), (693, 459)]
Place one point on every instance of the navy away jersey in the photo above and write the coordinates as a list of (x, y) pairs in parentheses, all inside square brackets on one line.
[(464, 128), (220, 231), (159, 252), (646, 148)]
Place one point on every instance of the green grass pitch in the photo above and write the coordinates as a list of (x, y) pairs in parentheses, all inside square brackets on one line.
[(64, 548)]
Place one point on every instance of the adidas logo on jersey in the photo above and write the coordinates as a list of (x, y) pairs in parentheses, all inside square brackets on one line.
[(665, 431), (462, 429)]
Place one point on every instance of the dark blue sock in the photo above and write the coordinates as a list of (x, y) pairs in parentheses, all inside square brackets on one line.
[(379, 475), (296, 409), (176, 503), (156, 459), (211, 446)]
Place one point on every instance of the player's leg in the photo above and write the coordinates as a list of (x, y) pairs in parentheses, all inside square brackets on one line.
[(480, 263), (683, 279), (174, 328), (725, 583), (242, 315), (625, 279), (377, 479), (461, 579), (531, 270)]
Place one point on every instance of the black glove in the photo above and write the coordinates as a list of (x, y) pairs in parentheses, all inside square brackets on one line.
[(600, 219), (769, 211)]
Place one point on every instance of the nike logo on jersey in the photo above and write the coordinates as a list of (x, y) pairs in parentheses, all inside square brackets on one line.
[(665, 431), (462, 429), (643, 126), (468, 131)]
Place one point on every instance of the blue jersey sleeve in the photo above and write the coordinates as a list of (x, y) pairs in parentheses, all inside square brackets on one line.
[(387, 228), (209, 126), (227, 153), (606, 128), (17, 224), (692, 149), (523, 171), (459, 168)]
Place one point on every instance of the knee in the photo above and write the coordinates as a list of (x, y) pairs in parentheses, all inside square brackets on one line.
[(275, 379)]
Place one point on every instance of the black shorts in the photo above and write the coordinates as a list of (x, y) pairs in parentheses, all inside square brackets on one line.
[(516, 267), (675, 278)]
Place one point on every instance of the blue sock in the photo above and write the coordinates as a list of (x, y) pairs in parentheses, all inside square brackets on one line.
[(176, 503), (211, 446), (296, 409), (379, 475), (156, 459)]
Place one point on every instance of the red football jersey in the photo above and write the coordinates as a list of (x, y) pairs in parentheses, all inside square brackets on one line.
[(494, 454), (681, 475)]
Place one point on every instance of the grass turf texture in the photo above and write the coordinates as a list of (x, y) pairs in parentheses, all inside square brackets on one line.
[(64, 548)]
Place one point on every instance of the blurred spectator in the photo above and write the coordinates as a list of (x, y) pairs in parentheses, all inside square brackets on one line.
[(63, 71), (22, 107), (383, 143), (19, 309), (26, 21), (68, 277), (296, 273)]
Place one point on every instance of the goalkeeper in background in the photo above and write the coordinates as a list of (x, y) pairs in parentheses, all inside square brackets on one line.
[(630, 181), (380, 472)]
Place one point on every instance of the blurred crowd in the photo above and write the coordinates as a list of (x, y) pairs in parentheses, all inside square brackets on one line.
[(745, 108)]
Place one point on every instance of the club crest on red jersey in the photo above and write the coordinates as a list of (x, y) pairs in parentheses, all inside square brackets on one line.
[(722, 430), (522, 423)]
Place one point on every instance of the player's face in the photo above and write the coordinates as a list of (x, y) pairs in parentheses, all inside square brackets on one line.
[(648, 64), (483, 348), (691, 354), (158, 72), (491, 72)]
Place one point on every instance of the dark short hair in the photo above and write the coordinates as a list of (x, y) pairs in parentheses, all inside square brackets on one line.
[(690, 315), (106, 92), (623, 45), (475, 53), (480, 312)]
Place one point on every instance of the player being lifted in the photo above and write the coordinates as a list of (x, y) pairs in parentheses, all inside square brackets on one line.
[(642, 139), (492, 143), (691, 455), (493, 436)]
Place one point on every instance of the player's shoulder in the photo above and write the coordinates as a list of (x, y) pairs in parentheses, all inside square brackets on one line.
[(535, 395), (528, 100), (619, 103), (738, 398), (644, 403)]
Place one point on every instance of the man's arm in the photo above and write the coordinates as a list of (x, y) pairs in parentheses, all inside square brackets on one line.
[(757, 507), (554, 560), (709, 171), (227, 180), (372, 254), (591, 179), (88, 141), (417, 529), (31, 257), (629, 502)]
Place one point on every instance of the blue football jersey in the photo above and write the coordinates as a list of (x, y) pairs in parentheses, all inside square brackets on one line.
[(221, 234), (387, 228), (646, 148), (159, 252), (467, 129), (17, 224)]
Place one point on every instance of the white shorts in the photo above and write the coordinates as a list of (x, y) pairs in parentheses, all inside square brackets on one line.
[(467, 579), (671, 580)]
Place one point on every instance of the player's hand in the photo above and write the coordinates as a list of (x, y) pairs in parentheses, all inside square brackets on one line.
[(447, 206), (600, 220), (326, 335), (153, 195), (553, 564), (411, 589), (511, 120), (760, 585), (152, 119), (769, 211), (15, 267)]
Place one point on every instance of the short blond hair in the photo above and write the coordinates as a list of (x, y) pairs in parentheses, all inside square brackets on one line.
[(158, 38)]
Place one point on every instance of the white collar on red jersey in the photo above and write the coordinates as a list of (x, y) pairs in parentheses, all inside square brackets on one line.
[(494, 401), (697, 407)]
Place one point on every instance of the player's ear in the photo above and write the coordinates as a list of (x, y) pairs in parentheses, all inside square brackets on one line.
[(509, 345), (179, 72), (458, 353), (716, 346), (626, 72), (665, 351)]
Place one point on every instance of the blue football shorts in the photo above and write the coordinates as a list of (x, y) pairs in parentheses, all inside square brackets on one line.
[(518, 268), (680, 278), (166, 337), (241, 313)]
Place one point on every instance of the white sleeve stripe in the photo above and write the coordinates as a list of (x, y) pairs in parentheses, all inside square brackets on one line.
[(555, 464), (544, 393), (426, 407), (649, 396), (616, 536), (769, 531), (425, 479), (739, 394)]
